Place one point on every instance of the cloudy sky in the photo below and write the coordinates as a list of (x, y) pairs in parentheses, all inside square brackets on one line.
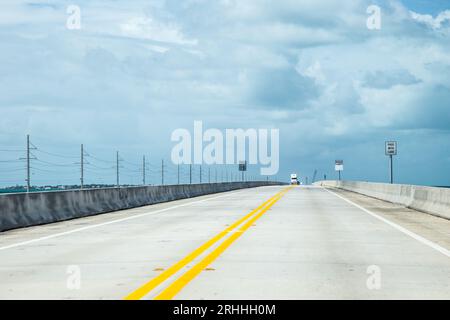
[(137, 70)]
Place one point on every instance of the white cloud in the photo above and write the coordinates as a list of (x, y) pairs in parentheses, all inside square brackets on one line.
[(312, 70), (148, 28), (434, 23)]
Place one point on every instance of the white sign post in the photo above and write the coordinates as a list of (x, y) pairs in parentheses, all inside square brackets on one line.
[(391, 150), (339, 166)]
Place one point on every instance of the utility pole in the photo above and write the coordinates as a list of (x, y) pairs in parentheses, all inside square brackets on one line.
[(209, 175), (28, 157), (143, 170), (190, 173), (162, 172), (28, 163), (82, 168), (200, 173), (178, 174)]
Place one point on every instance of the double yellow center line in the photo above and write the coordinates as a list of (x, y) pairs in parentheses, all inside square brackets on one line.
[(173, 288)]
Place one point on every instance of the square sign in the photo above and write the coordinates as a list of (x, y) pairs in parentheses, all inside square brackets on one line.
[(242, 165), (339, 165), (391, 148)]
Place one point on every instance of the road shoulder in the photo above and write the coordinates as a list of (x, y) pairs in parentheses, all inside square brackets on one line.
[(431, 227)]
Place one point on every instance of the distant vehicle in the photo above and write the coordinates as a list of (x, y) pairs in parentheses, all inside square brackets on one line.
[(294, 179)]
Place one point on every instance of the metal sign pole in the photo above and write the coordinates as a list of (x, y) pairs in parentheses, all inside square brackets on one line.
[(28, 163), (82, 168), (392, 170)]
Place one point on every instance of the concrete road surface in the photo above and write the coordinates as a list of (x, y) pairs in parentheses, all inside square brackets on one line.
[(262, 243)]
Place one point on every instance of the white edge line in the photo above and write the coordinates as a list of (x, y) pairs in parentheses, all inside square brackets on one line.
[(413, 235), (113, 221)]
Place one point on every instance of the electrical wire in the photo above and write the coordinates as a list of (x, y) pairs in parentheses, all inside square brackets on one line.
[(56, 155)]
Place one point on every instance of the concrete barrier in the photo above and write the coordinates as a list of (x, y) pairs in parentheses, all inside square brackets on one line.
[(432, 200), (27, 209)]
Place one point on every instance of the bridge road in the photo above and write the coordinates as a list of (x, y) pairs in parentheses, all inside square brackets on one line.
[(296, 243)]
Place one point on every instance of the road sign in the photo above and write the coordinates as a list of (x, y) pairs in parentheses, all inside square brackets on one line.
[(339, 165), (391, 148), (242, 165)]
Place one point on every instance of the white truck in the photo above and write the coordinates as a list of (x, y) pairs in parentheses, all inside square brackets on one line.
[(294, 179)]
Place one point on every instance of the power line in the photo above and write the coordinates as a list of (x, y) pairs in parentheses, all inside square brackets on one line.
[(98, 159), (10, 150), (43, 170), (133, 164), (56, 155), (100, 168), (12, 170), (56, 164), (12, 161)]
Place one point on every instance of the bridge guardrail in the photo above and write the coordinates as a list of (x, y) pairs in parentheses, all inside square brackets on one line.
[(432, 200), (27, 209)]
